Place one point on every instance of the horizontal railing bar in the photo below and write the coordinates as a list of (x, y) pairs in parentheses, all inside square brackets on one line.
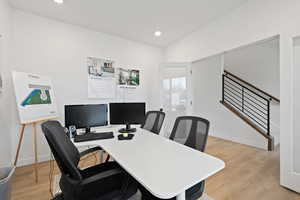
[(261, 125), (251, 85), (228, 99), (247, 88), (240, 102), (238, 91), (239, 88), (235, 103), (255, 106), (263, 115), (262, 106), (234, 92), (257, 112), (238, 95), (232, 105), (256, 99), (244, 92), (233, 83)]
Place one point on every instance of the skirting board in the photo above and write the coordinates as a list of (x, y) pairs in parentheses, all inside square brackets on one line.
[(30, 160), (253, 143)]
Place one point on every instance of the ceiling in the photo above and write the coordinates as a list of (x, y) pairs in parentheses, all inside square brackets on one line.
[(134, 19)]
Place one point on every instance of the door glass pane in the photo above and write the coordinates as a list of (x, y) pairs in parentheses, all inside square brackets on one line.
[(174, 87), (166, 84), (179, 83)]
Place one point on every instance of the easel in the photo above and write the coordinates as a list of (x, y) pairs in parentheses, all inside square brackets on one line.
[(34, 123)]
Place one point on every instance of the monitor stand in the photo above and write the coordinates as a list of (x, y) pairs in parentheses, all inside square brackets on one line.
[(128, 129), (87, 130)]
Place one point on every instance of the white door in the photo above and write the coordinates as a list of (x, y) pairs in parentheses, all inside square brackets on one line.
[(290, 143), (175, 93)]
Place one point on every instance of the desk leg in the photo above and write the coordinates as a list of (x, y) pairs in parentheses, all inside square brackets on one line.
[(181, 196), (35, 153), (101, 156)]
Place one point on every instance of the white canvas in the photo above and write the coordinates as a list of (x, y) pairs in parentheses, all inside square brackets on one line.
[(34, 97)]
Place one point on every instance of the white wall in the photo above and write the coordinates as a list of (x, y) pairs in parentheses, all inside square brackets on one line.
[(59, 50), (5, 32), (207, 93), (257, 64), (254, 21)]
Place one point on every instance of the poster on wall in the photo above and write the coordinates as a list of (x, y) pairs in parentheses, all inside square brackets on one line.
[(128, 78), (101, 78), (34, 97)]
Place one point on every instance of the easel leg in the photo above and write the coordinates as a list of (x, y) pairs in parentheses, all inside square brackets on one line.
[(35, 153), (19, 144)]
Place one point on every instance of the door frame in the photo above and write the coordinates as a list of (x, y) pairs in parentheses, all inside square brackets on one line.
[(189, 82), (288, 176)]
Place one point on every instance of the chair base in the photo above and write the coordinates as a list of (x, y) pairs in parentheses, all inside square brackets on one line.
[(59, 196)]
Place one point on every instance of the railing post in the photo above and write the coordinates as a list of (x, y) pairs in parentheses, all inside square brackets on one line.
[(242, 99), (223, 87), (269, 125)]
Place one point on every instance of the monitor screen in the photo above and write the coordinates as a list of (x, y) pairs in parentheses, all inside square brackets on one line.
[(127, 113), (83, 116)]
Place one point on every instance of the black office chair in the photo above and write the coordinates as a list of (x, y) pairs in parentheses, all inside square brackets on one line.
[(154, 121), (104, 181), (192, 132)]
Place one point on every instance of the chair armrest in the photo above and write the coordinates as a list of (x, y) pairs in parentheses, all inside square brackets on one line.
[(102, 175), (91, 150)]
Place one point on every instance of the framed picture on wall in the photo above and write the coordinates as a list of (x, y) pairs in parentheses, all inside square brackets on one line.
[(128, 77), (101, 78)]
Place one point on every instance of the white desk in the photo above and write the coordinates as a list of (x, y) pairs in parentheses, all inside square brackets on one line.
[(166, 168)]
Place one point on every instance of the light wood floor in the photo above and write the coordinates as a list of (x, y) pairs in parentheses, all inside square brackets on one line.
[(250, 174)]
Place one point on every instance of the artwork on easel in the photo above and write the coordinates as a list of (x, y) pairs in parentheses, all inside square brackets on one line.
[(101, 78), (34, 97), (128, 78), (35, 103)]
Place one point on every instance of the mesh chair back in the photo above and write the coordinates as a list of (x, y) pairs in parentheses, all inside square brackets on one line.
[(191, 131), (65, 153), (154, 121)]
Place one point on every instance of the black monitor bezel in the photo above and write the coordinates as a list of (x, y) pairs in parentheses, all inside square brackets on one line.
[(90, 126), (126, 103)]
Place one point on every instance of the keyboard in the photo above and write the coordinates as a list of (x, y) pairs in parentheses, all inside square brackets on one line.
[(93, 136)]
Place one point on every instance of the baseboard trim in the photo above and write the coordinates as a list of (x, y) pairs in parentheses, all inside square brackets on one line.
[(31, 160), (247, 142)]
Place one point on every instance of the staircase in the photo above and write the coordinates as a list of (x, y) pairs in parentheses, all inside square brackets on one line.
[(249, 103)]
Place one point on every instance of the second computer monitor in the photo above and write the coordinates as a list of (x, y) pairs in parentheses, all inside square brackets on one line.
[(127, 113)]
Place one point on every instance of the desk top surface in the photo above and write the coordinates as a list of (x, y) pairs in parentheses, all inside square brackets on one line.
[(164, 167)]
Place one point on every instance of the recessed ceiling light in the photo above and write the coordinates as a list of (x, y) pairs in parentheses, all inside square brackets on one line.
[(59, 1), (157, 33)]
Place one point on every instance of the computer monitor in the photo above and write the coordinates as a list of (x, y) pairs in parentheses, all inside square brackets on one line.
[(127, 113), (86, 116)]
